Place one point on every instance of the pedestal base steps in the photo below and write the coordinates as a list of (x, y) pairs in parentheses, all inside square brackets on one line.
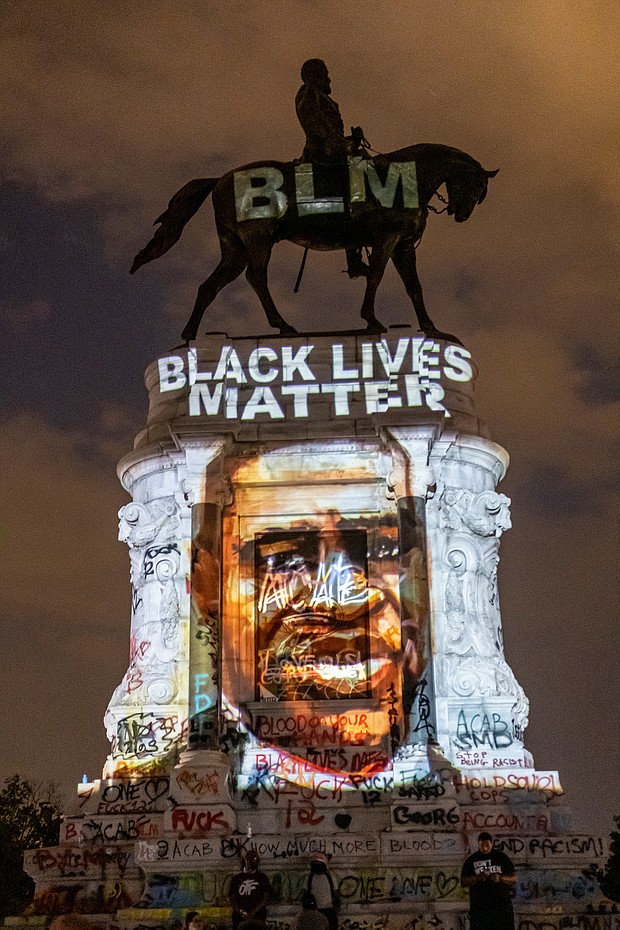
[(141, 852)]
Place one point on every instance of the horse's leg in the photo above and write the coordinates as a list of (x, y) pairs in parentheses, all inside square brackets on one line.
[(233, 261), (404, 259), (379, 257), (259, 253)]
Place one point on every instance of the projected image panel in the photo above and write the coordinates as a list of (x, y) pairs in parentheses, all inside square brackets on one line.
[(312, 614)]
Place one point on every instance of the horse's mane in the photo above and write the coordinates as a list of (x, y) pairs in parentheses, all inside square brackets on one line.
[(421, 152), (431, 151)]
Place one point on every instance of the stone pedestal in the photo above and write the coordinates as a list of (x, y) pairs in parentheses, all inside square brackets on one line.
[(317, 660)]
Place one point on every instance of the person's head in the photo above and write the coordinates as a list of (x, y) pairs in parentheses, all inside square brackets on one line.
[(485, 842), (252, 860), (189, 917), (314, 72), (318, 863), (308, 901), (197, 923)]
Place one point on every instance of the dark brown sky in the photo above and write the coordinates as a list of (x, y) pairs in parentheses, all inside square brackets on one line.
[(107, 109)]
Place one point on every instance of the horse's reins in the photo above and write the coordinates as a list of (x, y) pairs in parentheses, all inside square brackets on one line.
[(369, 148), (434, 209)]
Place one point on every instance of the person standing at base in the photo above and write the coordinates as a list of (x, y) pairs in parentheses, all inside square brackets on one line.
[(321, 887), (249, 893), (489, 875), (189, 917), (310, 918)]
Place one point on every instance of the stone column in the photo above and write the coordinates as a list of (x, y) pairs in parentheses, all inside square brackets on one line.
[(481, 708), (199, 783), (422, 774), (145, 717), (207, 489)]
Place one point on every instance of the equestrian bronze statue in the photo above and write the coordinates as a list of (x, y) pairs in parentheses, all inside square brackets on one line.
[(334, 197)]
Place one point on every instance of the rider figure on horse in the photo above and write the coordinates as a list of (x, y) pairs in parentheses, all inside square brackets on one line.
[(326, 142)]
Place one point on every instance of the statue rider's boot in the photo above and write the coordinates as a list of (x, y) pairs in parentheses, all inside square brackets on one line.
[(356, 268)]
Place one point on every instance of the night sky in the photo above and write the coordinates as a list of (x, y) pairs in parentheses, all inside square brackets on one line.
[(107, 109)]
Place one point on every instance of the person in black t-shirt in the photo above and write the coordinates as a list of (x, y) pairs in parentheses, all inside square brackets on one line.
[(489, 875), (249, 893)]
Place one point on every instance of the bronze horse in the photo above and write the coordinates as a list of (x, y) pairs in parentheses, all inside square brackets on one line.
[(390, 232)]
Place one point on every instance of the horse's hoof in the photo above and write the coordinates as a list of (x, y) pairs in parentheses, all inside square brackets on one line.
[(287, 330), (375, 326)]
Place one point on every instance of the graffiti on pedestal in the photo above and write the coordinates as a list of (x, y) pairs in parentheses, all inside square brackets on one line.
[(360, 922), (531, 819), (569, 922), (421, 845), (555, 885), (546, 782), (200, 784), (422, 724), (473, 663), (552, 848), (349, 728), (145, 736), (194, 891), (421, 788), (152, 533), (361, 760), (201, 821), (305, 783), (123, 796), (102, 897), (441, 817), (79, 862), (475, 729), (111, 829), (172, 891), (458, 920), (364, 884)]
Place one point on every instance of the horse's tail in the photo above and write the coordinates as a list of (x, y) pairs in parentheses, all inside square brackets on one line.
[(180, 210)]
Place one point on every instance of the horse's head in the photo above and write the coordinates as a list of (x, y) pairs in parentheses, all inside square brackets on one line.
[(466, 188)]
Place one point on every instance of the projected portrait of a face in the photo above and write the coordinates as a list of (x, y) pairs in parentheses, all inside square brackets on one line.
[(312, 611)]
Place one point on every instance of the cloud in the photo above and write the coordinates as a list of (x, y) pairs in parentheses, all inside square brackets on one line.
[(532, 396), (19, 315), (102, 106), (96, 101), (65, 607), (57, 521)]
